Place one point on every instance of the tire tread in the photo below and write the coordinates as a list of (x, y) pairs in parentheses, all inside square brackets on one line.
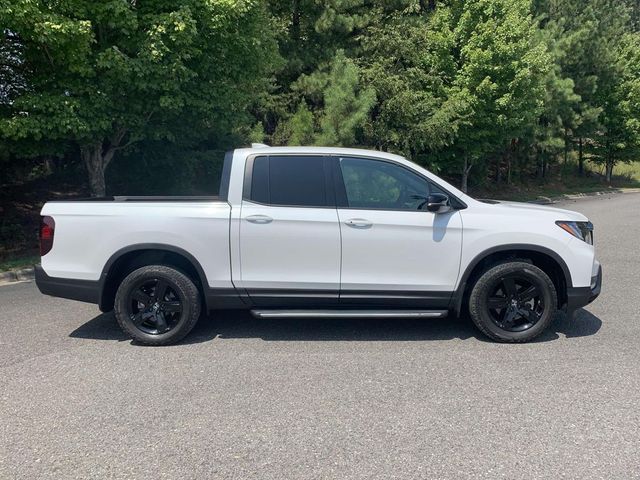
[(475, 300), (183, 281)]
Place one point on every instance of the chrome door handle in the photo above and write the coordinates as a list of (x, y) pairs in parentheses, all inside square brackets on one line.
[(260, 219), (358, 223)]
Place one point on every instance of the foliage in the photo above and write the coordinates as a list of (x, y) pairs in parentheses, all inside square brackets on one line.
[(485, 92), (342, 111), (19, 263), (503, 65), (104, 75), (408, 59), (618, 139), (345, 109), (300, 126)]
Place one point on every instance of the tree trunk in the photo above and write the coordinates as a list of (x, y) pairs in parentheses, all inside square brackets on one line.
[(93, 162), (542, 167), (509, 155), (466, 168), (295, 20), (429, 5), (47, 164), (566, 146), (609, 170), (96, 162), (580, 158), (539, 164)]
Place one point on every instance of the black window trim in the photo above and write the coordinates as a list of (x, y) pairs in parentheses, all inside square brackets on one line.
[(223, 189), (341, 192), (328, 179)]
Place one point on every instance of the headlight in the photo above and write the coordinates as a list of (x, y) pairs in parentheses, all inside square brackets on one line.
[(581, 230)]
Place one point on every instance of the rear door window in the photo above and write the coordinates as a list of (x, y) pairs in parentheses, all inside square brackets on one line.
[(290, 180)]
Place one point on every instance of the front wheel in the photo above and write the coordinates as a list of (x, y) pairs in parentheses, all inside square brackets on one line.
[(513, 302), (157, 305)]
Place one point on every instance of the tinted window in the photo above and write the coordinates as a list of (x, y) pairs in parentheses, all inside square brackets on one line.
[(260, 180), (377, 184), (289, 180)]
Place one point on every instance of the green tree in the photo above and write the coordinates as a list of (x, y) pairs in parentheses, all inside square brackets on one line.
[(503, 64), (618, 138), (346, 106), (105, 75), (301, 126), (586, 38), (341, 106), (408, 58)]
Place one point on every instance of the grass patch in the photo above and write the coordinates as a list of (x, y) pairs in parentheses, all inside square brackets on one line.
[(626, 170), (19, 262), (564, 182)]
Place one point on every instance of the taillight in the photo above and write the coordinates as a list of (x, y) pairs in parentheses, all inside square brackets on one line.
[(47, 229)]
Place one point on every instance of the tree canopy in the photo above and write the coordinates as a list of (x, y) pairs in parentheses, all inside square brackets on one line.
[(104, 75), (479, 91)]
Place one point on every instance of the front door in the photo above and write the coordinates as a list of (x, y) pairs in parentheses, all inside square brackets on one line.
[(393, 252), (289, 232)]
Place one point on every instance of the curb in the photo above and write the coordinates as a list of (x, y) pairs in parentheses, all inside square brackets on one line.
[(21, 275), (578, 196)]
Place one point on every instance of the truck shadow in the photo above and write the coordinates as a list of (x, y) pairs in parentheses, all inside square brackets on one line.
[(239, 324)]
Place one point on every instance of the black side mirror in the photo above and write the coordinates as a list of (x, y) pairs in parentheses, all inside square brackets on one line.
[(438, 203)]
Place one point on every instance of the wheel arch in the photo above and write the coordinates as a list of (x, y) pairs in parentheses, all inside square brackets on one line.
[(129, 258), (544, 258)]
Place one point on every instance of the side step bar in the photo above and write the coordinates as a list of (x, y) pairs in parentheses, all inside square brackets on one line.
[(332, 313)]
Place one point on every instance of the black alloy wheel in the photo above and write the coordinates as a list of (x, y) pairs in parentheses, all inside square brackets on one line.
[(515, 303), (155, 306)]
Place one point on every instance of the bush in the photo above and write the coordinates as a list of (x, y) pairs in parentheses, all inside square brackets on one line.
[(12, 235)]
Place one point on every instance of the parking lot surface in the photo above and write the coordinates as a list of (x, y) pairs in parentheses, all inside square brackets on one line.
[(345, 399)]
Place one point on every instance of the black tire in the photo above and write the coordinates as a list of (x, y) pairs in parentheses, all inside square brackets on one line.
[(157, 322), (497, 303)]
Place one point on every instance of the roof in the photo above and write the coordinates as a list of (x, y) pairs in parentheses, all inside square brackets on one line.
[(257, 148)]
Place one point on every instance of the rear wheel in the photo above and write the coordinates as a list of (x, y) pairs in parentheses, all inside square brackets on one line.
[(513, 302), (157, 305)]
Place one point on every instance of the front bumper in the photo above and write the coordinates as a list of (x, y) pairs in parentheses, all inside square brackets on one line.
[(578, 297)]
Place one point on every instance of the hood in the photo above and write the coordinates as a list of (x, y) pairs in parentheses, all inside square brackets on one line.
[(525, 208)]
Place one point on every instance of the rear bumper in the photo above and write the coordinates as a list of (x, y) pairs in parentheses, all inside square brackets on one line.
[(80, 290), (578, 297)]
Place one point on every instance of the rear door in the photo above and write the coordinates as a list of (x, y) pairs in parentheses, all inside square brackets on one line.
[(289, 231), (393, 252)]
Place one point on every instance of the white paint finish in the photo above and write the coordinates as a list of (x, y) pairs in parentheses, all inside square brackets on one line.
[(87, 234), (298, 248), (301, 248), (400, 250), (236, 179), (488, 226)]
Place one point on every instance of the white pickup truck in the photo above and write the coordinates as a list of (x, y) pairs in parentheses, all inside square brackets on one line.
[(319, 232)]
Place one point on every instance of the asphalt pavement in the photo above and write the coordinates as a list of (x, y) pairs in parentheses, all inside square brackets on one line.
[(242, 398)]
